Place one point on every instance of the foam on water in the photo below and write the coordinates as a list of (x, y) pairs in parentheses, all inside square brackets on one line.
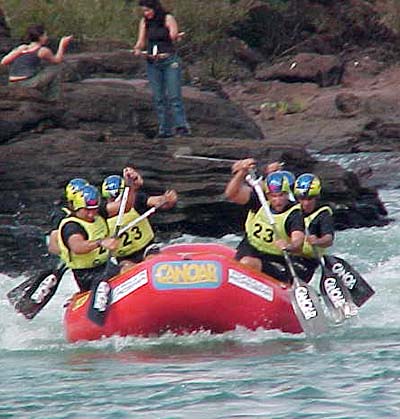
[(373, 251), (350, 373)]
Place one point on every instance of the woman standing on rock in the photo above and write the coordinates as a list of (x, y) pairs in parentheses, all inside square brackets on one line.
[(158, 30), (26, 60)]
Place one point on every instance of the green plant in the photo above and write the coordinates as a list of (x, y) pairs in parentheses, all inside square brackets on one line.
[(391, 14), (83, 18), (284, 107), (207, 24)]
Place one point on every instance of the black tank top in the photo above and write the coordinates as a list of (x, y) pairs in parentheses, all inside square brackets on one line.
[(26, 65), (158, 34)]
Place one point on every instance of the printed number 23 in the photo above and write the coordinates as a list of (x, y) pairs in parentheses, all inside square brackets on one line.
[(136, 234), (267, 235)]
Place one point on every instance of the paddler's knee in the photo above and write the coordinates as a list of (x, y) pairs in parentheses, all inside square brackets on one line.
[(126, 265), (253, 262)]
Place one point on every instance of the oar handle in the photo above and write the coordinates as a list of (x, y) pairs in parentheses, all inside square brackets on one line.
[(185, 156), (140, 218), (122, 207)]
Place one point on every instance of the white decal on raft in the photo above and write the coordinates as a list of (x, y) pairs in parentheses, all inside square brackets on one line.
[(250, 284), (129, 286)]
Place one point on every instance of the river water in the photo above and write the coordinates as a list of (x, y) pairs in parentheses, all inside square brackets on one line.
[(353, 372)]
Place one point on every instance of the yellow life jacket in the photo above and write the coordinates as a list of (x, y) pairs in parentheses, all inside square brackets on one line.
[(67, 211), (134, 239), (260, 233), (307, 248), (249, 219), (96, 230)]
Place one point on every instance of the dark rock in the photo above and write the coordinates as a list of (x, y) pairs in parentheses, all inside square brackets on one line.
[(54, 157), (119, 63), (325, 70), (348, 103), (102, 125)]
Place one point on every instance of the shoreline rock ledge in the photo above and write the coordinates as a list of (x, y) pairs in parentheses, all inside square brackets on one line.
[(105, 123)]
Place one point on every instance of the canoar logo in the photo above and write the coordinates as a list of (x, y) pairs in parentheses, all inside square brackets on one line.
[(44, 289), (305, 304), (346, 276), (101, 296), (334, 292)]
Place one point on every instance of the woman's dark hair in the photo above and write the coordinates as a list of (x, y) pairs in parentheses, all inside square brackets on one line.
[(159, 10), (34, 32)]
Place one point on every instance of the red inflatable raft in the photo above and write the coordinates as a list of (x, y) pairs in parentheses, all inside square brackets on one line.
[(186, 288)]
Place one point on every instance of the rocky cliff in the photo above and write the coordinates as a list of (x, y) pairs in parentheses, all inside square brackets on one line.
[(104, 121)]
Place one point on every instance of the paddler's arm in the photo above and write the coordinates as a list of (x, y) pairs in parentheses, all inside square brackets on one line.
[(326, 231), (295, 229), (325, 241), (237, 190), (165, 201), (79, 245), (273, 167), (295, 245), (52, 245), (136, 182)]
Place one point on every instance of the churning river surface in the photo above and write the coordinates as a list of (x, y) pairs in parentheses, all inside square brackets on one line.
[(352, 372)]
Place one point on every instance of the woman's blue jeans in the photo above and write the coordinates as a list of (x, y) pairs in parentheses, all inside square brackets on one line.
[(165, 80)]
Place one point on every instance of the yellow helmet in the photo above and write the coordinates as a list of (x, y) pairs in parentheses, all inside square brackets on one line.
[(88, 197), (73, 186), (307, 185)]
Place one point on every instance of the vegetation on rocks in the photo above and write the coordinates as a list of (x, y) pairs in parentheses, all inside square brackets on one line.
[(268, 29)]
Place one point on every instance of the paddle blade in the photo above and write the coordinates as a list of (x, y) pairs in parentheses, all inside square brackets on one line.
[(32, 295), (358, 287), (336, 297), (100, 299), (308, 309)]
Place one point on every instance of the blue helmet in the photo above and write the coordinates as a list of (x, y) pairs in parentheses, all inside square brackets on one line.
[(277, 182), (88, 197), (112, 186)]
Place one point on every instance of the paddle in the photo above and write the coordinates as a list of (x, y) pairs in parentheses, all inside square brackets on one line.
[(185, 153), (29, 297), (101, 291), (304, 300), (358, 287), (335, 295)]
